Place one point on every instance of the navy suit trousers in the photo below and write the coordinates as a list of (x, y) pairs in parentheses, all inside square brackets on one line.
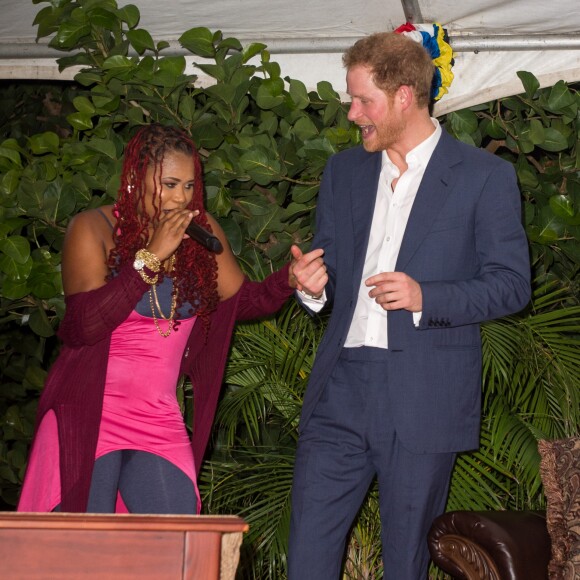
[(348, 440)]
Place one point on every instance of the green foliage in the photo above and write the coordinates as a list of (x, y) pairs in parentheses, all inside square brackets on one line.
[(531, 377), (253, 458), (264, 140), (539, 133)]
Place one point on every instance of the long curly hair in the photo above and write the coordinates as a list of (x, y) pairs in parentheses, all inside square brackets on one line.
[(195, 273)]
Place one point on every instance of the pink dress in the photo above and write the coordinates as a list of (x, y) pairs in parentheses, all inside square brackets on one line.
[(140, 407)]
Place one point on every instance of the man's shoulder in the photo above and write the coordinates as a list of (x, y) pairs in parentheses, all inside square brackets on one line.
[(354, 155), (469, 153)]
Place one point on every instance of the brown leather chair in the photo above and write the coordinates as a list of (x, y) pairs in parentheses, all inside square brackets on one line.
[(491, 545)]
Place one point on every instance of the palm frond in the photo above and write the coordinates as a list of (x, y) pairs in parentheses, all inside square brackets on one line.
[(531, 390), (256, 485)]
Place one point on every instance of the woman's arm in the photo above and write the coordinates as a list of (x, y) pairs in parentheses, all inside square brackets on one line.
[(95, 306), (230, 276), (259, 299), (87, 242), (92, 316)]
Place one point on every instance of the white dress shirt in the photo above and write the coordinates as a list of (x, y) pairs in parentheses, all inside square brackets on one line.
[(391, 213)]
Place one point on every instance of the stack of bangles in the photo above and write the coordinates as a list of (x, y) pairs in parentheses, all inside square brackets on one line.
[(146, 259)]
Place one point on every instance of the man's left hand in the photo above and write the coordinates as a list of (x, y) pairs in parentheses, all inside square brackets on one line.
[(396, 291)]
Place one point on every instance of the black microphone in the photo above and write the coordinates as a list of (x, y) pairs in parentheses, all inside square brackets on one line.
[(205, 238)]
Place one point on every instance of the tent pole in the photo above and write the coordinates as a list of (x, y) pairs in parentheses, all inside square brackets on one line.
[(459, 43), (514, 42), (412, 11)]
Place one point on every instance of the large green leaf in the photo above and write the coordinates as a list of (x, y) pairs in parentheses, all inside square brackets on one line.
[(141, 40), (13, 288), (199, 41), (9, 182), (560, 97), (16, 247), (326, 91), (104, 146), (554, 140), (530, 82), (261, 166), (80, 121), (463, 121), (270, 93), (47, 142), (129, 14), (562, 206), (40, 324), (299, 93), (305, 129), (12, 155), (69, 33), (118, 62), (252, 50), (104, 18), (537, 133)]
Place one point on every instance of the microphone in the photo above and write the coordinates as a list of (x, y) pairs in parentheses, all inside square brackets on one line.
[(205, 238)]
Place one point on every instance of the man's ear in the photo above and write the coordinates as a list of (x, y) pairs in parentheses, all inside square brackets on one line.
[(405, 96)]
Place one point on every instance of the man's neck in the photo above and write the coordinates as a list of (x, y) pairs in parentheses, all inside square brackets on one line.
[(416, 131)]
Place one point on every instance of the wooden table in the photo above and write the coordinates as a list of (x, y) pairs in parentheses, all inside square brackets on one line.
[(63, 546)]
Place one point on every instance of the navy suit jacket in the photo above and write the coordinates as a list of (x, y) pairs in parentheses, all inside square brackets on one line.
[(465, 244)]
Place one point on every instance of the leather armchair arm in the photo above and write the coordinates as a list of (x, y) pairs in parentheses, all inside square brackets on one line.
[(491, 545)]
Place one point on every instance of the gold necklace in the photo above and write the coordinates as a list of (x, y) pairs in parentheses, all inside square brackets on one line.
[(154, 302)]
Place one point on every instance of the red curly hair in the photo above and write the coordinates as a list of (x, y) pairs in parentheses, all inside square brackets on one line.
[(195, 273)]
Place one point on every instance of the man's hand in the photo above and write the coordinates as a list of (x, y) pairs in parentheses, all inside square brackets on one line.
[(308, 272), (396, 291)]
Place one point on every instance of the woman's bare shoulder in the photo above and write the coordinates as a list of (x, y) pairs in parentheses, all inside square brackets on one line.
[(88, 240), (93, 224), (98, 217)]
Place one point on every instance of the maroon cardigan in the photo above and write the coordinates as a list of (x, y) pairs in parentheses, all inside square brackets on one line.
[(75, 384)]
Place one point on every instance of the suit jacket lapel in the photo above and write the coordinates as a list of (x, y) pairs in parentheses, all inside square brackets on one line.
[(363, 190), (435, 186)]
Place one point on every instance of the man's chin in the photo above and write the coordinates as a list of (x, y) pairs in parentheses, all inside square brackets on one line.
[(371, 145)]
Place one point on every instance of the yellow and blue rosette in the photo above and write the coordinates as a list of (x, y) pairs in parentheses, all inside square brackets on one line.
[(435, 40)]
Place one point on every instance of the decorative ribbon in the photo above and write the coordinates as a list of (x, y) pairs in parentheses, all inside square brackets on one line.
[(435, 40)]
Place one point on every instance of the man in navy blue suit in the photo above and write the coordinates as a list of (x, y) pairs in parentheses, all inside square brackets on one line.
[(422, 242)]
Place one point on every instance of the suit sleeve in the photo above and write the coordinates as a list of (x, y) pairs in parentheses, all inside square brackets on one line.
[(324, 233), (502, 283)]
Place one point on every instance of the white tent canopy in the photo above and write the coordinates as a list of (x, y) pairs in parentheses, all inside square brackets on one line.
[(491, 39)]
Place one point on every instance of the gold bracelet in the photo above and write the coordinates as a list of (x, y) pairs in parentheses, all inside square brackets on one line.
[(148, 279), (146, 259)]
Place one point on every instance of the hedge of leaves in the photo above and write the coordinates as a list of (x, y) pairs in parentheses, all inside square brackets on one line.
[(264, 139)]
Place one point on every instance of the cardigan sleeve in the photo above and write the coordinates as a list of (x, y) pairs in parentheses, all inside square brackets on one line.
[(258, 299), (92, 316)]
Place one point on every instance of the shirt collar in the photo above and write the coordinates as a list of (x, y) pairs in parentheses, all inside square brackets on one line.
[(418, 156)]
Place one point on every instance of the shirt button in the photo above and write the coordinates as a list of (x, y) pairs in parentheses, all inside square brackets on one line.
[(388, 238)]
